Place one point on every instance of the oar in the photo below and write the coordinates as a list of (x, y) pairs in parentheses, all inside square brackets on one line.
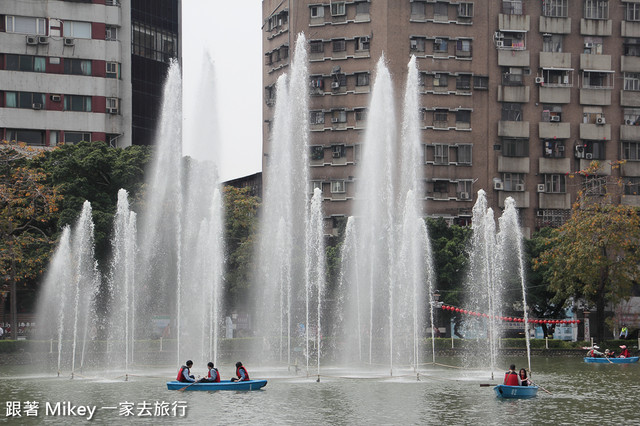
[(608, 360), (191, 384), (535, 384), (486, 385)]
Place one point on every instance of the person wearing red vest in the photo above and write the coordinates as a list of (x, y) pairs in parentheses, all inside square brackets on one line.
[(511, 377), (625, 352), (184, 374), (213, 376), (241, 372)]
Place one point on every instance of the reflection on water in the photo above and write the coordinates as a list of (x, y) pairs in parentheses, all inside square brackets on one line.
[(581, 394)]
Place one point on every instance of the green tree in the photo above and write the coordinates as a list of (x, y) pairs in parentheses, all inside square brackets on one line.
[(594, 255)]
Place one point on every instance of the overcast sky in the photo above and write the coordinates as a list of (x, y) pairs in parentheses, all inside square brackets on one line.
[(229, 32)]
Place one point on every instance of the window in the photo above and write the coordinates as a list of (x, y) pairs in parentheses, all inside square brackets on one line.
[(77, 103), (465, 10), (27, 100), (111, 33), (464, 154), (512, 7), (337, 186), (338, 9), (339, 116), (512, 40), (317, 152), (552, 42), (632, 81), (440, 118), (30, 137), (112, 105), (631, 151), (632, 117), (480, 82), (594, 150), (76, 137), (77, 29), (511, 111), (317, 117), (555, 8), (339, 80), (338, 151), (557, 78), (361, 114), (153, 42), (316, 11), (440, 45), (631, 185), (553, 148), (316, 46), (441, 186), (418, 9), (463, 48), (113, 70), (515, 147), (463, 119), (631, 47), (512, 181), (362, 8), (440, 154), (362, 43), (25, 25), (315, 184), (596, 9), (464, 189), (632, 12), (463, 82), (362, 79), (555, 184), (512, 77), (594, 185), (25, 63), (416, 44), (77, 66), (440, 80), (441, 11), (339, 45), (597, 80)]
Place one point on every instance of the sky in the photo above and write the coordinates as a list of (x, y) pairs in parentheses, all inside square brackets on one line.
[(231, 36)]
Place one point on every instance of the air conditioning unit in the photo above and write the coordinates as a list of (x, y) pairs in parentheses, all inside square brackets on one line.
[(69, 41), (498, 186), (112, 110), (464, 195), (539, 80), (43, 40), (541, 187), (601, 120), (561, 148), (32, 40), (414, 45), (336, 154), (498, 35), (565, 79), (364, 39), (55, 98), (36, 106), (335, 120), (335, 85), (540, 213), (588, 45), (579, 151), (437, 41), (499, 43), (588, 156), (519, 187), (554, 118)]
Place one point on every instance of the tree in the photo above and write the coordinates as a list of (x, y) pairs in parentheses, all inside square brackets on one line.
[(594, 255), (28, 209)]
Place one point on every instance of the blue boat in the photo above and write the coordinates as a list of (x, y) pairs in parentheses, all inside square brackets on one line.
[(629, 360), (221, 385), (517, 392)]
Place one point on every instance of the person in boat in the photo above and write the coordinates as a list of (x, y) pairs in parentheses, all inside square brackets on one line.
[(524, 380), (511, 378), (184, 374), (594, 353), (213, 376), (609, 354), (241, 373), (624, 353)]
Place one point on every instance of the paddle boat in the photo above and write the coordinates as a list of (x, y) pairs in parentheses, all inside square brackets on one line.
[(606, 360), (517, 392), (221, 385)]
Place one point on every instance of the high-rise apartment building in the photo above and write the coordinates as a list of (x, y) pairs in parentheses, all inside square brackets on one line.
[(84, 70), (516, 96)]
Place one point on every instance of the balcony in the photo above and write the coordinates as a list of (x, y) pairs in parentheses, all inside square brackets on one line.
[(521, 198), (630, 133), (604, 167), (595, 27), (554, 130), (518, 94), (630, 29), (630, 168), (630, 63), (513, 129), (629, 98), (513, 58), (596, 96), (513, 164), (555, 60), (555, 95), (595, 62), (514, 22), (554, 201), (597, 132), (555, 25), (554, 166)]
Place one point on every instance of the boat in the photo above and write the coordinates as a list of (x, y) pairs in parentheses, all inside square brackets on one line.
[(629, 360), (218, 386), (518, 392)]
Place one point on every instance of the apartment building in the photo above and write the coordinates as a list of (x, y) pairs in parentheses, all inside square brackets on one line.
[(516, 95), (84, 70)]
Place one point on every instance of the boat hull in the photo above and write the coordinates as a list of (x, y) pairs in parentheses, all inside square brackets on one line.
[(222, 385), (516, 392), (629, 360)]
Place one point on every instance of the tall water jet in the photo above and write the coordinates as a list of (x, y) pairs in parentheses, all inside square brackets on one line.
[(315, 282), (282, 272), (121, 282)]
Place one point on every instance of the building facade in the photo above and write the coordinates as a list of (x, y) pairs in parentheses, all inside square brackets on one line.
[(516, 96), (84, 70)]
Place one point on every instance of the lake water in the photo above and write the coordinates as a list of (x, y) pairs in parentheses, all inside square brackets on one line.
[(580, 394)]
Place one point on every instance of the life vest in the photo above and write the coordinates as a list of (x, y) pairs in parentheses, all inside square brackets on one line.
[(624, 353), (216, 372), (180, 377), (511, 378), (246, 375)]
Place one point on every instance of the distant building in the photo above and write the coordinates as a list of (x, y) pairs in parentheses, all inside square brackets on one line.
[(84, 70), (253, 181), (515, 96)]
